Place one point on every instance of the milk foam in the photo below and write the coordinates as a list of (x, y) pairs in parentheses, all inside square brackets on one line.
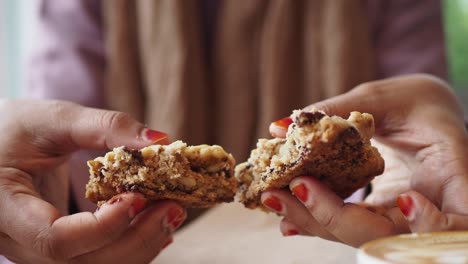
[(443, 247)]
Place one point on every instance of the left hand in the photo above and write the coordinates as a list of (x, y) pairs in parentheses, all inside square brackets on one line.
[(37, 139), (420, 124)]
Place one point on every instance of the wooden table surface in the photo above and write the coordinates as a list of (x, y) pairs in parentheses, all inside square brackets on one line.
[(232, 234)]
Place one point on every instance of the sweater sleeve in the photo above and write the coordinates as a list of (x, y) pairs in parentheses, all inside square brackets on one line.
[(67, 61), (408, 37)]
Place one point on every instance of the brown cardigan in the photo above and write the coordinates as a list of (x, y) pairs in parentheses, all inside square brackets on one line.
[(268, 58)]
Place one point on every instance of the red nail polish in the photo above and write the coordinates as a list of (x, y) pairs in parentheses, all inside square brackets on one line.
[(173, 214), (405, 203), (175, 217), (301, 192), (155, 137), (168, 242), (283, 123), (273, 203), (137, 206), (177, 223), (291, 232), (115, 199)]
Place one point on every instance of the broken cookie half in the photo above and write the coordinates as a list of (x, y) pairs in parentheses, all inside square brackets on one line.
[(194, 176), (334, 150)]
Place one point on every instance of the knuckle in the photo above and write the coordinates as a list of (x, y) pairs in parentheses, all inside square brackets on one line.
[(147, 243), (329, 222), (115, 120), (434, 220), (310, 225), (369, 89), (48, 246), (108, 232), (59, 108), (328, 107)]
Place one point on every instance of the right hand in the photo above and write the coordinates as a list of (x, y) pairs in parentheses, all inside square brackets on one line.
[(37, 138), (420, 123)]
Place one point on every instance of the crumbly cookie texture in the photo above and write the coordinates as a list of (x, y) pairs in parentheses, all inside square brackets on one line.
[(194, 176), (336, 151)]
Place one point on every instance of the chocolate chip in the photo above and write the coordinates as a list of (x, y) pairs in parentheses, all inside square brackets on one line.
[(101, 175), (136, 154), (351, 137), (307, 118)]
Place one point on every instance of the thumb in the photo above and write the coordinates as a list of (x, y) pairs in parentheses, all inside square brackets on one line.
[(98, 129), (43, 133), (63, 127), (367, 98), (34, 223), (424, 216)]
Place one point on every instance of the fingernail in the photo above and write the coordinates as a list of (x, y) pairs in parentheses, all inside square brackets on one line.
[(281, 125), (155, 137), (115, 199), (174, 218), (168, 242), (301, 192), (291, 232), (406, 205), (274, 204), (106, 205), (137, 206)]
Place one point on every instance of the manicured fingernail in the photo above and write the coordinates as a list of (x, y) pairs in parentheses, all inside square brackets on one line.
[(137, 206), (283, 123), (116, 199), (280, 127), (291, 232), (174, 218), (301, 192), (105, 206), (168, 242), (155, 137), (274, 204), (177, 223), (406, 205)]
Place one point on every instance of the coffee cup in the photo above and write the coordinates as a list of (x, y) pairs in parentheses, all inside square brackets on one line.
[(437, 247)]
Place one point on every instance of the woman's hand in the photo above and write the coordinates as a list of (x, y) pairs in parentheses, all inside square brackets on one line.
[(37, 138), (420, 128)]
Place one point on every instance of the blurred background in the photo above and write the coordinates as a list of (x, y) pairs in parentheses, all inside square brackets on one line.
[(456, 30), (17, 27), (16, 35)]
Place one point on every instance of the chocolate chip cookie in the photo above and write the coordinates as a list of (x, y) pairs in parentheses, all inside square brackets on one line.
[(194, 176), (336, 151)]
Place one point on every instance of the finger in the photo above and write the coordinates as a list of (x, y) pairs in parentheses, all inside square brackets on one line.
[(376, 209), (349, 223), (423, 216), (98, 129), (149, 233), (380, 99), (107, 129), (362, 98), (83, 127), (283, 203), (36, 224), (17, 253), (279, 128), (288, 228)]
